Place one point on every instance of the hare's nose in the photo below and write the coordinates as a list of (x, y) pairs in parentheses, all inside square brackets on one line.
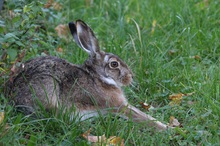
[(130, 76)]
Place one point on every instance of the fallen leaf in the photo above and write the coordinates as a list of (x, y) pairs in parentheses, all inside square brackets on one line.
[(48, 4), (113, 141), (94, 139), (85, 134), (145, 106), (102, 140), (60, 50), (173, 122), (62, 31), (57, 6), (175, 99), (175, 96), (196, 57)]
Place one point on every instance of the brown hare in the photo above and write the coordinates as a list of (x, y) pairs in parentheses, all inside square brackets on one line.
[(92, 88)]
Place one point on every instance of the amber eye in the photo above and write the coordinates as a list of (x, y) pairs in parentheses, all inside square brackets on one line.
[(114, 64)]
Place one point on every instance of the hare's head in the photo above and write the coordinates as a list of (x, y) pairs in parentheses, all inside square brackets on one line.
[(108, 67)]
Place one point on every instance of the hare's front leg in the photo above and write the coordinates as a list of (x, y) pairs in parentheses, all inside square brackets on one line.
[(139, 116)]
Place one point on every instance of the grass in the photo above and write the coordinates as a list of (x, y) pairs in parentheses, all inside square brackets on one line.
[(171, 46)]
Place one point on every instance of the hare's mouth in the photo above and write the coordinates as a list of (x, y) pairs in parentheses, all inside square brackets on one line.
[(126, 80)]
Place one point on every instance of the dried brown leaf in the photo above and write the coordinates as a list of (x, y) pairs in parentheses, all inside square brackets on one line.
[(173, 122), (62, 31), (60, 50), (102, 140), (85, 134), (196, 57), (48, 4), (57, 6), (145, 106), (115, 141)]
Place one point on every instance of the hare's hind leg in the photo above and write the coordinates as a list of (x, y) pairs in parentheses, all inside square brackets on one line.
[(39, 91), (47, 90)]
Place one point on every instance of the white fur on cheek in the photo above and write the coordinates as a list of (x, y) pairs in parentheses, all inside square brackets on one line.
[(109, 81)]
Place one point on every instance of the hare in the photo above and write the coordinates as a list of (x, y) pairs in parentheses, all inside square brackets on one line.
[(92, 88)]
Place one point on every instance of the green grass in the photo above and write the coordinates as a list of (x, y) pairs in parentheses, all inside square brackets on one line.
[(125, 28)]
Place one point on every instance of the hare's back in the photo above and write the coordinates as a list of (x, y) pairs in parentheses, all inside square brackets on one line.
[(47, 65), (41, 78)]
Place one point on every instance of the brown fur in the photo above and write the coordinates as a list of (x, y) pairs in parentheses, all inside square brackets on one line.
[(96, 85)]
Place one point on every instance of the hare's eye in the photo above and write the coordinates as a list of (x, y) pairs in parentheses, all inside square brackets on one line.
[(114, 64)]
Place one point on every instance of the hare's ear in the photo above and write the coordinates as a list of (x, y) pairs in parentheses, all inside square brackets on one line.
[(84, 37)]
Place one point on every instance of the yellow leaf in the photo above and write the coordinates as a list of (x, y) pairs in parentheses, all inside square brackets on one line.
[(115, 141), (102, 140), (175, 99)]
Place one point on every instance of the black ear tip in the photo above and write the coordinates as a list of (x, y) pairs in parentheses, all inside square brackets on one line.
[(72, 27)]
